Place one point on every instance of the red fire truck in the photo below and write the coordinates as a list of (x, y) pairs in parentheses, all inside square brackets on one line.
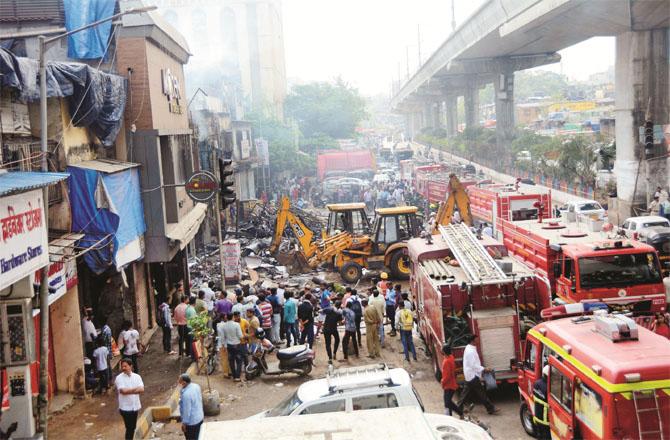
[(581, 265), (463, 285), (494, 202), (432, 181), (608, 378)]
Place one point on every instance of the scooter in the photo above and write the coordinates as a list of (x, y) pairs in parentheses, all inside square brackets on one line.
[(297, 359)]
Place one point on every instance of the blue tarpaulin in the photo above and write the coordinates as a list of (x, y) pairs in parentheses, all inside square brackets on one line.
[(90, 43), (107, 204)]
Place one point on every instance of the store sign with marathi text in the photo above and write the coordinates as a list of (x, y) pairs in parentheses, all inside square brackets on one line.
[(23, 236)]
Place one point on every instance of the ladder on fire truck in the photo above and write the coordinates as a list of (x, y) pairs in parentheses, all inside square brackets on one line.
[(644, 395), (475, 260)]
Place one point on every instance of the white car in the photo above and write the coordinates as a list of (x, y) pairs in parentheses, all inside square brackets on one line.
[(634, 224), (350, 389), (583, 208), (381, 178)]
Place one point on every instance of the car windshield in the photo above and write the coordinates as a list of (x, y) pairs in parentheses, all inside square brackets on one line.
[(286, 406), (590, 207), (619, 270), (652, 224)]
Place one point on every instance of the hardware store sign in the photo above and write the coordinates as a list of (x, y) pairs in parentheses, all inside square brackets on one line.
[(23, 236)]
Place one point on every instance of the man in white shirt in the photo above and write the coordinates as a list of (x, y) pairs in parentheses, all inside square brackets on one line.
[(129, 385), (472, 370), (129, 338), (209, 295), (88, 332), (100, 355), (488, 230)]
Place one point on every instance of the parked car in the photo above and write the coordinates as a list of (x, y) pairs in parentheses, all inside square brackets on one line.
[(350, 389), (634, 224), (575, 209)]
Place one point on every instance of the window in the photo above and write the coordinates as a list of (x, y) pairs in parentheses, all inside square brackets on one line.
[(375, 401), (588, 408), (404, 228), (567, 270), (360, 224), (626, 225), (561, 389), (286, 406), (325, 407), (531, 355), (619, 270), (388, 232)]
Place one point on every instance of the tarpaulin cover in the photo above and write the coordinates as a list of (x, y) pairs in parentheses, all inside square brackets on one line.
[(104, 204), (90, 43), (97, 99)]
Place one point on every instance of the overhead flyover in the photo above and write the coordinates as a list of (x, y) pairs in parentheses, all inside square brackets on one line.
[(503, 36)]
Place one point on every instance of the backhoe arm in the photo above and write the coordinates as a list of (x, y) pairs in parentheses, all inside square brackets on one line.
[(302, 233), (457, 198)]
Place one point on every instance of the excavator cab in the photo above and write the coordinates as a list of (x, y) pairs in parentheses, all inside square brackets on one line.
[(347, 217), (393, 225)]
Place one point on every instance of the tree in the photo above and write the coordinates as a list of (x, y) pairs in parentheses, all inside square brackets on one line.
[(322, 108)]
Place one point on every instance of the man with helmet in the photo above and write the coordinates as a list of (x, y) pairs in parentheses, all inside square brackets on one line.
[(541, 413)]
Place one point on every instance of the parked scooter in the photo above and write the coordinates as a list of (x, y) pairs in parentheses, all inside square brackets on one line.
[(297, 359)]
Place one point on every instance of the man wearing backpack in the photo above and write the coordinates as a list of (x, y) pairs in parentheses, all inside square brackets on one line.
[(405, 322), (164, 320), (357, 308)]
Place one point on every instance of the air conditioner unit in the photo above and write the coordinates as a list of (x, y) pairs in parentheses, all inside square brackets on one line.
[(16, 332)]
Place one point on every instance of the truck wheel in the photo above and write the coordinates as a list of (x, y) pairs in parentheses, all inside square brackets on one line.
[(351, 272), (400, 265), (527, 419)]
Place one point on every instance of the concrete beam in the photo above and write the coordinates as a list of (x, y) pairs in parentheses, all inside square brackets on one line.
[(499, 64)]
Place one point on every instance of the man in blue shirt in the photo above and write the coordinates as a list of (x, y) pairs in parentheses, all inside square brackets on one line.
[(190, 407), (390, 307), (291, 319)]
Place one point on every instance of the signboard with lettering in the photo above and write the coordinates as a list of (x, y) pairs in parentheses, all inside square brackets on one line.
[(172, 90), (23, 236), (263, 153), (202, 186)]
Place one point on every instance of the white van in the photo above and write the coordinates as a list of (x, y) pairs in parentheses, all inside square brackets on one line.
[(404, 423), (349, 389)]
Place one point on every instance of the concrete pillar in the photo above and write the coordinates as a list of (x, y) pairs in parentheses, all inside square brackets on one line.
[(641, 73), (437, 115), (427, 115), (409, 129), (451, 111), (504, 98), (471, 98)]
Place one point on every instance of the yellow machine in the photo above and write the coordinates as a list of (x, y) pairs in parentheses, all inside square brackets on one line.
[(457, 198), (350, 243)]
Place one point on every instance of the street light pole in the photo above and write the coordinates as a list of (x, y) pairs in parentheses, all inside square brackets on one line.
[(43, 398)]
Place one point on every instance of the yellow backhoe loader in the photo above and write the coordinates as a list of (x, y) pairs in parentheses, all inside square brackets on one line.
[(350, 243)]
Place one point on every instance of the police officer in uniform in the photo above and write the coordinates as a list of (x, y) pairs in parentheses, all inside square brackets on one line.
[(541, 413)]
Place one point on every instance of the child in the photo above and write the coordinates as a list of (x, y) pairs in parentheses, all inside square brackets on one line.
[(101, 366)]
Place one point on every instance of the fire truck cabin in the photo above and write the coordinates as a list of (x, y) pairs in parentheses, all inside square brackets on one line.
[(608, 378), (583, 265)]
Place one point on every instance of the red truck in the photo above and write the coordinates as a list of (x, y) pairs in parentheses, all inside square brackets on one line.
[(494, 202), (336, 160), (581, 265), (432, 181), (463, 285)]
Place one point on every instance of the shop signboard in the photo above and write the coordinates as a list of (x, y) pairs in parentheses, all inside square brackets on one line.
[(23, 236), (202, 186)]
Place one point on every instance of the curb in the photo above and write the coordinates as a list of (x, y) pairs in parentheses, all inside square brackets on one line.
[(145, 420)]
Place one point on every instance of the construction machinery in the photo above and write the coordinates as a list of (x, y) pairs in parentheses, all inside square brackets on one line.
[(457, 198), (350, 243)]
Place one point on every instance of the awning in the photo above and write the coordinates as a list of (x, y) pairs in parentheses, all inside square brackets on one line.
[(107, 166), (12, 182), (184, 231)]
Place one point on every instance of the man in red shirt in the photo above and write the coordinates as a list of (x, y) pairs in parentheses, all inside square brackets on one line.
[(449, 384)]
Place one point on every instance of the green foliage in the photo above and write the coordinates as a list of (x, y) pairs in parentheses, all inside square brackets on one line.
[(577, 159), (333, 110), (539, 83), (199, 325), (318, 142)]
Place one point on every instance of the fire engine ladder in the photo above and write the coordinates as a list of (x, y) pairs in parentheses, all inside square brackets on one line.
[(642, 395), (475, 260)]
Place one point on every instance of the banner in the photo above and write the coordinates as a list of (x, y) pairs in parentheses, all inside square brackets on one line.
[(24, 244)]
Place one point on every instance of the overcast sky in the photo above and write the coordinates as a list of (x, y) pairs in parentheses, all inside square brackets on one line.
[(364, 41)]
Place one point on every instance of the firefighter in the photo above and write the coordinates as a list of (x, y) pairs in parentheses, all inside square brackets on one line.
[(541, 413)]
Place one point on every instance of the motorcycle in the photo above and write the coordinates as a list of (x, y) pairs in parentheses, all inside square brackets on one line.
[(297, 359)]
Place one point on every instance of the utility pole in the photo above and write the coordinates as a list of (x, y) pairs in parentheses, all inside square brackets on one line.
[(453, 17), (418, 42), (43, 398), (407, 59)]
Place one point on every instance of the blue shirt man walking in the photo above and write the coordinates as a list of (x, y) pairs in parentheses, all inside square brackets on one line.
[(190, 407)]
